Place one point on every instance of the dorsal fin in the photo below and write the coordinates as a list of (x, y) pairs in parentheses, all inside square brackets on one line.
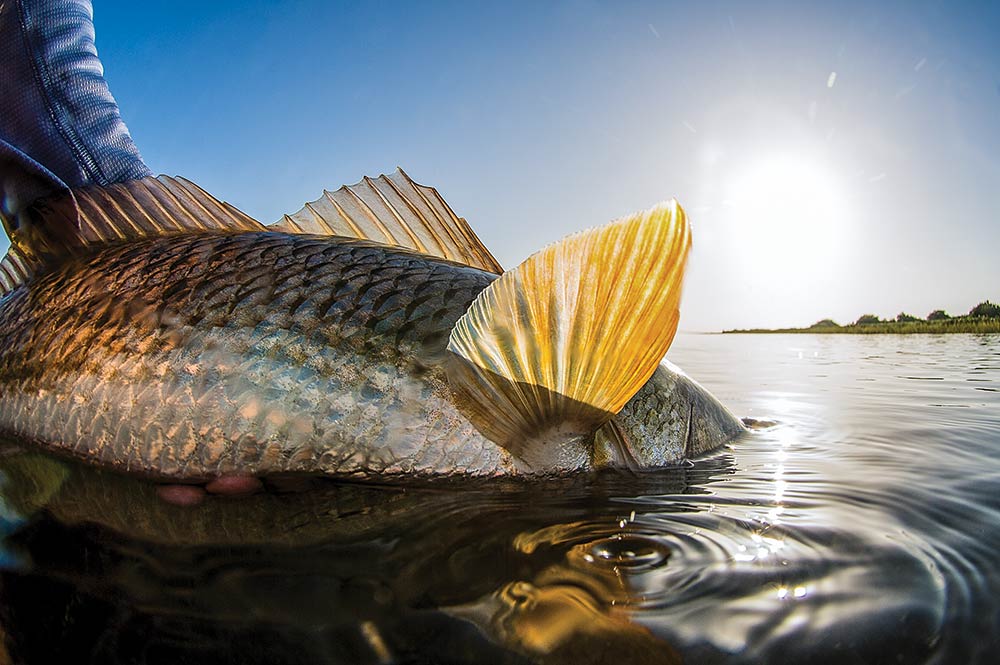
[(92, 215), (554, 348), (14, 269), (393, 210), (154, 206)]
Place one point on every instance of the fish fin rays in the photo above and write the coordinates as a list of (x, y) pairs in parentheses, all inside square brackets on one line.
[(396, 211), (555, 348), (154, 206), (15, 268), (71, 221)]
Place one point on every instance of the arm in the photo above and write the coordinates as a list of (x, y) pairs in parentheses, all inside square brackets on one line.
[(59, 125)]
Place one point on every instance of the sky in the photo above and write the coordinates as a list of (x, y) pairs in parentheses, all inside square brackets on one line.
[(834, 159)]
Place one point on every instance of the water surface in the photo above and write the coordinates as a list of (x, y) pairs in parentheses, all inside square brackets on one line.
[(863, 528)]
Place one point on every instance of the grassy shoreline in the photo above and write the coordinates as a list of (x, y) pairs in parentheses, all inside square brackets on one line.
[(955, 325)]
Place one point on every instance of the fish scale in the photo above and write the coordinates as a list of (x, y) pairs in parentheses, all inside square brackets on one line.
[(190, 356)]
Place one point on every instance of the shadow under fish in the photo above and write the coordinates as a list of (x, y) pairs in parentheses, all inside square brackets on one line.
[(343, 572)]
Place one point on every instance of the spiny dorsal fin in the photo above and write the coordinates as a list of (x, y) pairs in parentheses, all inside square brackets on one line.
[(554, 348), (13, 270), (393, 210), (92, 215), (154, 206)]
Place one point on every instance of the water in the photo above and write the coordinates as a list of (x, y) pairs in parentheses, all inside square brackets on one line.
[(863, 528)]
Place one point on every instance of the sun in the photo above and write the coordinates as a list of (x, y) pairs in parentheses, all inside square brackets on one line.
[(788, 216)]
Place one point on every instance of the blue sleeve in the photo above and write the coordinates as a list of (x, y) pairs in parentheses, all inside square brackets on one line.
[(59, 125)]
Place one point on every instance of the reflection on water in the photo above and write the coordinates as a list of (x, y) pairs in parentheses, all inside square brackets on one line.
[(864, 527)]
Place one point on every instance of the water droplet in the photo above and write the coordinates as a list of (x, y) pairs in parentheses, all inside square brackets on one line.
[(630, 551)]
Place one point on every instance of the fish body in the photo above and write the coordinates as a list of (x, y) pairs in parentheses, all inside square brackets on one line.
[(202, 353)]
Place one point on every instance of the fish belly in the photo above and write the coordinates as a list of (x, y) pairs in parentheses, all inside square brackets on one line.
[(196, 355)]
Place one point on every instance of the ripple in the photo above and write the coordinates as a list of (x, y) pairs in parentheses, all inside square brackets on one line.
[(630, 551)]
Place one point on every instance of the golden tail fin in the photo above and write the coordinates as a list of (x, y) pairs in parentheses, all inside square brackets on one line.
[(557, 346)]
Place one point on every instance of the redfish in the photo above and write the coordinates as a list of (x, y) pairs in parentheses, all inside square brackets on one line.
[(149, 328)]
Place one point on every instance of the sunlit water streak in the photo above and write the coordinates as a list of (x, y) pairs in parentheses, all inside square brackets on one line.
[(864, 527)]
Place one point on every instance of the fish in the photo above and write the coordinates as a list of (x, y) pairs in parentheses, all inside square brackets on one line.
[(151, 329)]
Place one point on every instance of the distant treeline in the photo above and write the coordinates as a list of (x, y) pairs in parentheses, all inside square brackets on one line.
[(983, 318)]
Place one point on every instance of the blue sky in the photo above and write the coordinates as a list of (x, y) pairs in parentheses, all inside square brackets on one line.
[(834, 159)]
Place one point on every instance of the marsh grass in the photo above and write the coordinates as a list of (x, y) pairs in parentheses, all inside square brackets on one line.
[(983, 318), (962, 324)]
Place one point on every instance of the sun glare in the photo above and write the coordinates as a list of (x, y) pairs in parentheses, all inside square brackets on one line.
[(788, 216)]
